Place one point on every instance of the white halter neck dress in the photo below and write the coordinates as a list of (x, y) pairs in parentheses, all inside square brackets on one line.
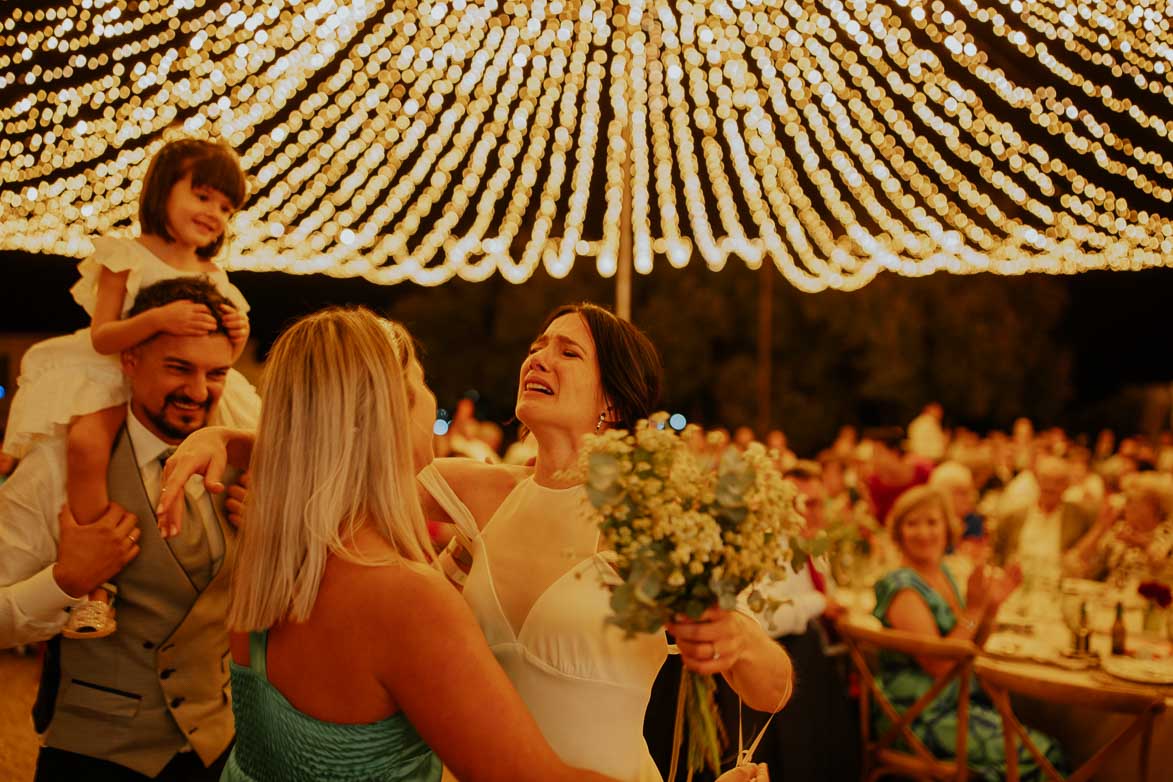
[(584, 682)]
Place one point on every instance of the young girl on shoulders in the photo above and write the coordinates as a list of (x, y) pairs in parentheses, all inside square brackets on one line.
[(74, 384)]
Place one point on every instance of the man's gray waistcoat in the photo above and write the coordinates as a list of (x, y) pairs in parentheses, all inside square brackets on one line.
[(161, 680)]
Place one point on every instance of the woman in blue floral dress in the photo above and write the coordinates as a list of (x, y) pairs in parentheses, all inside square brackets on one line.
[(922, 597)]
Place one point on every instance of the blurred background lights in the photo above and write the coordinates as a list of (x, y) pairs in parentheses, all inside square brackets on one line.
[(430, 140), (677, 421)]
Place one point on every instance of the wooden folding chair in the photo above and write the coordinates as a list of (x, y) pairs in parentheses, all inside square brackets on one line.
[(1001, 684), (883, 755)]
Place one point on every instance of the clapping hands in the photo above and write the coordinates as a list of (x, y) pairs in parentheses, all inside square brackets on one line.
[(989, 586)]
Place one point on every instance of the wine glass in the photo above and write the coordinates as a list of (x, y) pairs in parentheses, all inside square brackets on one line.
[(1071, 604)]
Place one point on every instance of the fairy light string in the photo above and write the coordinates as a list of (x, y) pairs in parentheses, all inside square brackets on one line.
[(421, 141)]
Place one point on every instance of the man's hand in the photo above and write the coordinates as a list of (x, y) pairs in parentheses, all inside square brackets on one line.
[(90, 555)]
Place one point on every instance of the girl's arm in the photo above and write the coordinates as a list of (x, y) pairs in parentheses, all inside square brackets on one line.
[(110, 334)]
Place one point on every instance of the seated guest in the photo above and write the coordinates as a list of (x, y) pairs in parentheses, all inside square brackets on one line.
[(1086, 488), (1034, 526), (956, 482), (464, 435), (1135, 543), (804, 596), (926, 438), (892, 470), (921, 597)]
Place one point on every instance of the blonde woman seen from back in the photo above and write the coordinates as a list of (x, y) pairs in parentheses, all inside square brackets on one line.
[(337, 621)]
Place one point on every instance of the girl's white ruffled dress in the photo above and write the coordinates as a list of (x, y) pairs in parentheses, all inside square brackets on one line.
[(64, 377)]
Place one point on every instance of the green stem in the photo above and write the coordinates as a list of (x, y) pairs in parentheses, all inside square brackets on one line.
[(706, 733)]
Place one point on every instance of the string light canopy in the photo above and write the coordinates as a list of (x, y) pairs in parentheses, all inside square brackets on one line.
[(833, 139)]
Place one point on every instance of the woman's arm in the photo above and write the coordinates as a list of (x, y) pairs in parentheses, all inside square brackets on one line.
[(207, 452), (461, 704), (481, 487), (908, 611), (735, 645)]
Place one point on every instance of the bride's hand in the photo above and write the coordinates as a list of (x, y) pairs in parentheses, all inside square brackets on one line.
[(712, 644), (750, 772), (204, 452)]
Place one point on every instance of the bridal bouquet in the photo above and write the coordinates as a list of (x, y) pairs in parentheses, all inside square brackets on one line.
[(686, 537)]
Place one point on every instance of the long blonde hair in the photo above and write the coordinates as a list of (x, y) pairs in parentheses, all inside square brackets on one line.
[(332, 454)]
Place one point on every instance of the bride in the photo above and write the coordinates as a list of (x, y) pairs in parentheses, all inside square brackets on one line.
[(537, 582)]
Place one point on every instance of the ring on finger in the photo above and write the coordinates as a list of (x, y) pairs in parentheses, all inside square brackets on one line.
[(715, 655)]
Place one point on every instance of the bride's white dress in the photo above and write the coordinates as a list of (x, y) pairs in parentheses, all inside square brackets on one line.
[(537, 588)]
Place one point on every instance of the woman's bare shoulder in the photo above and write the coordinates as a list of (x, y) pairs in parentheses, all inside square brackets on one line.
[(401, 597), (482, 487)]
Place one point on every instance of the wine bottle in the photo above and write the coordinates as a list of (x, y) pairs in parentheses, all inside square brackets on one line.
[(1118, 630), (1083, 635)]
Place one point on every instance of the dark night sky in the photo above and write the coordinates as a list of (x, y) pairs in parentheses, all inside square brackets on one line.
[(1116, 323)]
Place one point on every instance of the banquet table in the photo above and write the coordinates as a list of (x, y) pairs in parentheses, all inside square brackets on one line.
[(1033, 639)]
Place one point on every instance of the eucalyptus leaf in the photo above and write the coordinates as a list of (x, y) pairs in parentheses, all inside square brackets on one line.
[(603, 485), (622, 599)]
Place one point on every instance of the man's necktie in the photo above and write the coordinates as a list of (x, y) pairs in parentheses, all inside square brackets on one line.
[(190, 546)]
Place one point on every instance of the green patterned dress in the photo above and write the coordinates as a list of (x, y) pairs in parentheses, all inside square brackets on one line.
[(277, 743), (903, 681)]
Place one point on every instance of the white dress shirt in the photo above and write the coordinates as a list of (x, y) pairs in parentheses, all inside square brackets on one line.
[(32, 605), (1040, 547), (800, 602)]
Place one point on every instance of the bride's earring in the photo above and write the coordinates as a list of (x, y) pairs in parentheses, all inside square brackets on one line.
[(599, 424)]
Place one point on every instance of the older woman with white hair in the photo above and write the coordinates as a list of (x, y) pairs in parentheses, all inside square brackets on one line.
[(1133, 541)]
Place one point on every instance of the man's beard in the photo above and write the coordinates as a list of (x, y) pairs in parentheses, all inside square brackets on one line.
[(171, 430)]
